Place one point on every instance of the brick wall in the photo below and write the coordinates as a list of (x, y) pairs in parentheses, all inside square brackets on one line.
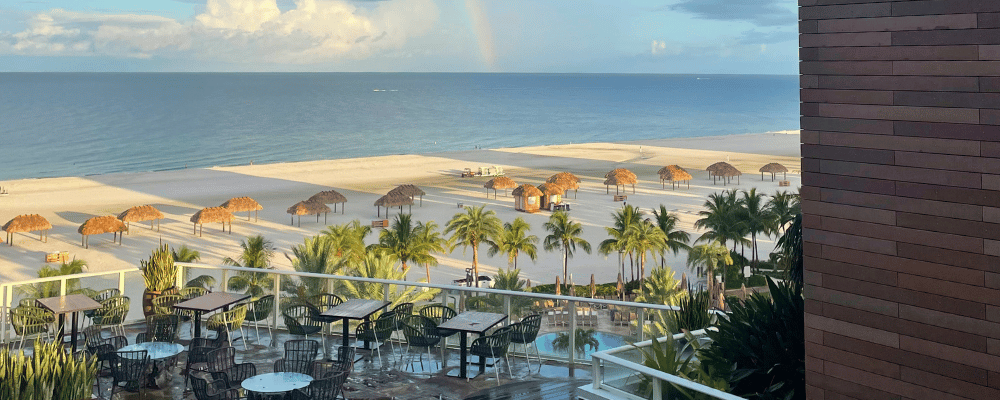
[(901, 172)]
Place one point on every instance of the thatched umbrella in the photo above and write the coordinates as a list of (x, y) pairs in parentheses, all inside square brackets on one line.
[(621, 287), (27, 223), (715, 168), (727, 172), (411, 191), (210, 215), (621, 171), (393, 200), (593, 286), (558, 287), (566, 180), (773, 168), (619, 180), (308, 207), (139, 214), (684, 282), (500, 182), (674, 174), (99, 225), (241, 204), (330, 197)]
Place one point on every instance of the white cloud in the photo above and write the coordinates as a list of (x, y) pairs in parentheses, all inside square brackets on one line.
[(242, 31)]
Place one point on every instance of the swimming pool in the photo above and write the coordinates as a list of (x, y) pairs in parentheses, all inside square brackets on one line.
[(606, 340)]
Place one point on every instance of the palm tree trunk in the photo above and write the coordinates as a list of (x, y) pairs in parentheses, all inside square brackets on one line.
[(565, 264), (642, 267), (631, 264), (475, 262), (427, 267)]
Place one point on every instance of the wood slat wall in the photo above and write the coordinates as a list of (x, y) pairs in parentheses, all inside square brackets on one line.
[(901, 172)]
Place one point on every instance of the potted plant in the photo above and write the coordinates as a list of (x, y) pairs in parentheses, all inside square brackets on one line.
[(160, 275)]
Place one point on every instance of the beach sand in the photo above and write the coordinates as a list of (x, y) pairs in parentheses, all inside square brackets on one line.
[(68, 202)]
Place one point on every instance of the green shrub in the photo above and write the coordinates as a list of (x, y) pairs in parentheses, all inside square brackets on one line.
[(50, 374), (693, 313), (665, 355), (756, 280), (761, 345)]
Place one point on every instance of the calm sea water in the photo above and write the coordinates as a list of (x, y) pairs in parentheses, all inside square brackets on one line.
[(74, 124)]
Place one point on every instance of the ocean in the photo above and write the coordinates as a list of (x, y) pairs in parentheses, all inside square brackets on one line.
[(77, 124)]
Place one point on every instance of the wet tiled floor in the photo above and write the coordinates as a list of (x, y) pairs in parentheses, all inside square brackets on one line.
[(397, 375)]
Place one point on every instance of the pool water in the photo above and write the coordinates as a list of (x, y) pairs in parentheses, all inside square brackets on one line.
[(606, 340)]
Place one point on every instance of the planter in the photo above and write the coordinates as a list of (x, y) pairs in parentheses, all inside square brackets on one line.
[(149, 295)]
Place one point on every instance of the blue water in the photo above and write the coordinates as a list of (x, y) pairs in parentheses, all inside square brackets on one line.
[(607, 341), (74, 124)]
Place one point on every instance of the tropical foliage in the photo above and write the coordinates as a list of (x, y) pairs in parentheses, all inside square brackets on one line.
[(662, 289), (50, 373), (692, 313), (709, 256), (159, 271), (774, 365), (404, 242), (378, 264), (584, 338), (503, 280), (665, 355), (564, 235), (470, 229), (430, 236), (257, 253), (674, 239), (348, 240), (513, 241), (51, 289), (315, 255)]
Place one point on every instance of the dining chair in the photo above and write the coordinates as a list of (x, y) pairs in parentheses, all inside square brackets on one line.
[(160, 328), (31, 321), (191, 292), (322, 389), (493, 346), (259, 310), (377, 331), (100, 297), (299, 356), (103, 348), (222, 365), (215, 389), (112, 313), (230, 321), (129, 368), (440, 314), (525, 332), (401, 311), (198, 349), (301, 319), (420, 332)]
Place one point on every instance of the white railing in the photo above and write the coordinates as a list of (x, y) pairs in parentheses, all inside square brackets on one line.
[(618, 371)]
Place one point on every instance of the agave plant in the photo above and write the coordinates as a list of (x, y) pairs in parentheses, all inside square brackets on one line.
[(50, 374), (159, 271)]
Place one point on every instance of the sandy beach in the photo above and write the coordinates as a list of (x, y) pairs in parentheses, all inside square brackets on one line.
[(68, 202)]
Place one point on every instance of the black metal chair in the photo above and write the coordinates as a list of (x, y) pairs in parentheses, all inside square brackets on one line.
[(401, 311), (493, 346), (130, 368), (420, 332), (322, 389), (100, 297), (160, 328), (213, 390), (257, 311), (198, 349), (525, 332), (103, 348), (345, 356), (301, 319), (440, 313), (378, 331), (222, 365), (112, 312)]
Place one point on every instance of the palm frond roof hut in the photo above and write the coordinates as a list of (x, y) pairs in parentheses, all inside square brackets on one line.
[(674, 174), (99, 225), (330, 197), (566, 180), (309, 207), (411, 191), (241, 204), (393, 199), (140, 214), (211, 215), (527, 198), (773, 168), (727, 172), (621, 178), (526, 190), (27, 223), (497, 183), (549, 189)]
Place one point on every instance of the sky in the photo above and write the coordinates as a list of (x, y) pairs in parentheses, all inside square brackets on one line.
[(534, 36)]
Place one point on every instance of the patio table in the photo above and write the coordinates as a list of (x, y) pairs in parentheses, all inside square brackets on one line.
[(471, 322), (209, 302), (73, 303), (276, 382), (157, 351), (359, 309)]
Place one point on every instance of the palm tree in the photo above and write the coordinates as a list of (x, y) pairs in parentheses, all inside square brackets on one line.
[(619, 241), (514, 240), (675, 239), (784, 206), (710, 256), (721, 218), (257, 253), (185, 254), (789, 249), (583, 339), (348, 240), (379, 264), (402, 240), (430, 236), (474, 227), (314, 255), (51, 289), (757, 219), (565, 236), (645, 237)]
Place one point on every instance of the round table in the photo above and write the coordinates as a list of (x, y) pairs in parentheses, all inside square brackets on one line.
[(276, 382), (157, 352)]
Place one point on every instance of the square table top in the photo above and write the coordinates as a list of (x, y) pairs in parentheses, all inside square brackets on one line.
[(69, 303), (355, 309), (473, 322), (211, 301)]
